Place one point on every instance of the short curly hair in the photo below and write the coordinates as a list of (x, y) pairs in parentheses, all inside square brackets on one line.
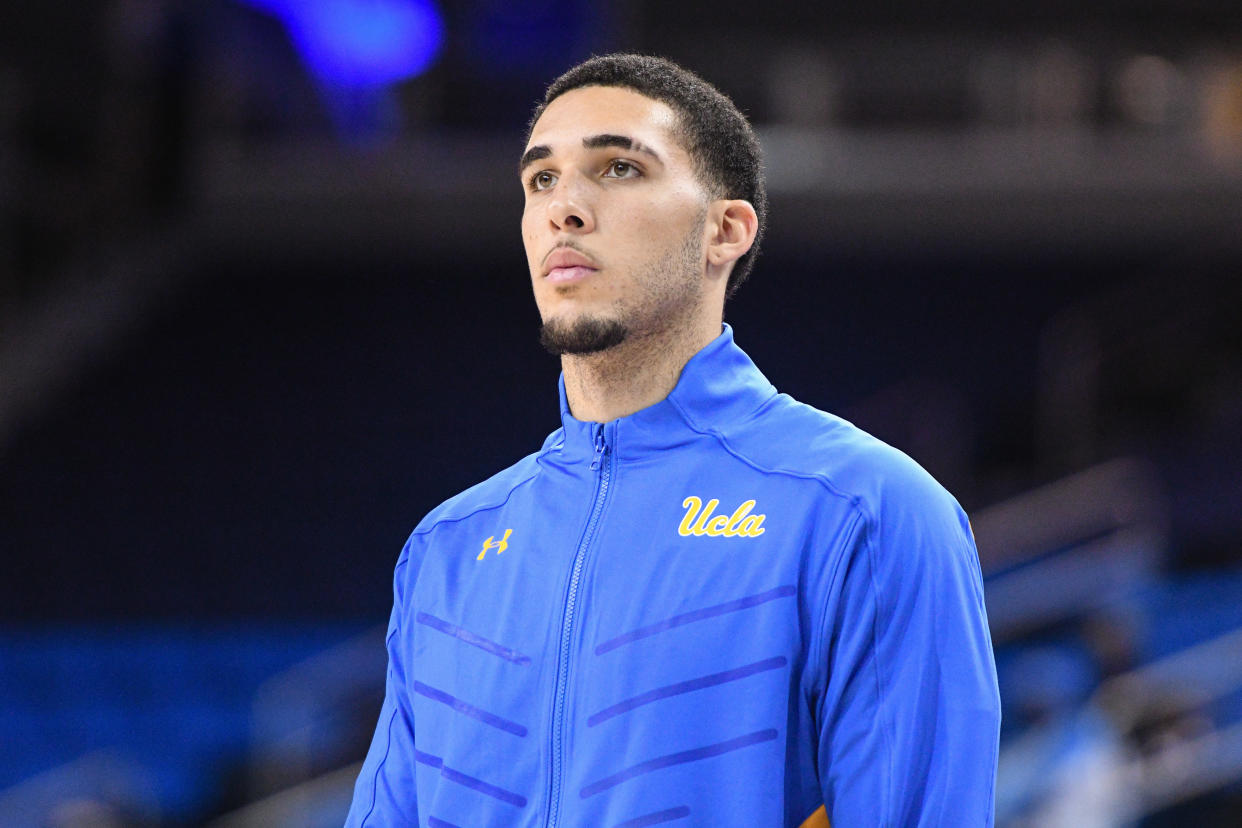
[(713, 131)]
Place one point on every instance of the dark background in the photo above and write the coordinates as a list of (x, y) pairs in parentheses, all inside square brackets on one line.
[(257, 317)]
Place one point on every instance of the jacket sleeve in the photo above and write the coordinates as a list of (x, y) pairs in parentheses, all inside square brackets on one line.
[(909, 719), (384, 793)]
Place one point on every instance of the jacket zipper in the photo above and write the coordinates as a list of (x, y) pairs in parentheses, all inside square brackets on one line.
[(600, 463)]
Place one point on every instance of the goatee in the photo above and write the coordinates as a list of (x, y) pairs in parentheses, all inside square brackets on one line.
[(582, 336)]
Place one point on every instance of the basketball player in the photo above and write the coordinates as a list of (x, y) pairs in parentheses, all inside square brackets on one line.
[(700, 602)]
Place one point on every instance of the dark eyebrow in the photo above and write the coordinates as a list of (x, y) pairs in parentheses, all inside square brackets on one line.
[(620, 141), (541, 151), (535, 153)]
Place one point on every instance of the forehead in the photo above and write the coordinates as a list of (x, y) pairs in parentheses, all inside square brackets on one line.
[(600, 110)]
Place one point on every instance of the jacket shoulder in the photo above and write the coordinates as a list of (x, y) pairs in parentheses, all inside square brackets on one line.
[(790, 437), (491, 493)]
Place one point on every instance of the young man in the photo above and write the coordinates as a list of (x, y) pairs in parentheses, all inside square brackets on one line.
[(701, 602)]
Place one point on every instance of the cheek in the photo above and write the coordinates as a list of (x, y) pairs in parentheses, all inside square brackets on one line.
[(667, 217), (529, 244)]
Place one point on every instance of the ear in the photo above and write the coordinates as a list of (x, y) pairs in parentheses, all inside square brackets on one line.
[(731, 227)]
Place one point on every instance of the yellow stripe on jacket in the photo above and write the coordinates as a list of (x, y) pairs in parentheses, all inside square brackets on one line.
[(819, 819)]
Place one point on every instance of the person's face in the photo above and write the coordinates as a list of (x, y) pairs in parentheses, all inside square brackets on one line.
[(614, 219)]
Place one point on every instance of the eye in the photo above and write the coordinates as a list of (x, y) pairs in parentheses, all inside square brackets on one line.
[(541, 180), (621, 169)]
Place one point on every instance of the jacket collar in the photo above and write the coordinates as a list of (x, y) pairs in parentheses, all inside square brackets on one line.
[(719, 386)]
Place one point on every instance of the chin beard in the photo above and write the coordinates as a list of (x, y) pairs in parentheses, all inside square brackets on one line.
[(583, 336)]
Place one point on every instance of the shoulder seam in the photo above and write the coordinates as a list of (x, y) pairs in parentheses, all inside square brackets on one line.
[(458, 518), (848, 539), (881, 688), (853, 499), (379, 768)]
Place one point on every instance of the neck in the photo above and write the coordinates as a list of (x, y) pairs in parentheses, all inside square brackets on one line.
[(636, 374)]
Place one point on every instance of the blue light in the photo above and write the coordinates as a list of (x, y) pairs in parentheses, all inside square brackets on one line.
[(361, 44)]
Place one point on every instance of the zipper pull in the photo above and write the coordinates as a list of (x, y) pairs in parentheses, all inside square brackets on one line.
[(600, 448)]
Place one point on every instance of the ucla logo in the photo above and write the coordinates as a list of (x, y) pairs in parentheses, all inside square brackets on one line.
[(700, 521), (499, 545)]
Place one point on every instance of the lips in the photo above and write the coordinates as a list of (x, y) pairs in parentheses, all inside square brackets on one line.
[(564, 275), (565, 265)]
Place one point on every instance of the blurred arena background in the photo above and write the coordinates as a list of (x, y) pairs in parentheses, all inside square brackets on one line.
[(263, 304)]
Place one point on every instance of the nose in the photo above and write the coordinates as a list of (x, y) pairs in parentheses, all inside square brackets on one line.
[(569, 208)]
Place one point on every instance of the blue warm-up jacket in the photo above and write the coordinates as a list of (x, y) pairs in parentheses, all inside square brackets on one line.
[(727, 609)]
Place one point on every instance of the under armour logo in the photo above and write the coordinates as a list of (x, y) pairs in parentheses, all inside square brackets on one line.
[(499, 545)]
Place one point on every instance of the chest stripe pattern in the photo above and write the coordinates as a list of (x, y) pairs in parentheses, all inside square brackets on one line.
[(656, 818), (433, 822), (685, 687), (469, 781), (467, 709), (678, 758), (695, 615), (470, 638)]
